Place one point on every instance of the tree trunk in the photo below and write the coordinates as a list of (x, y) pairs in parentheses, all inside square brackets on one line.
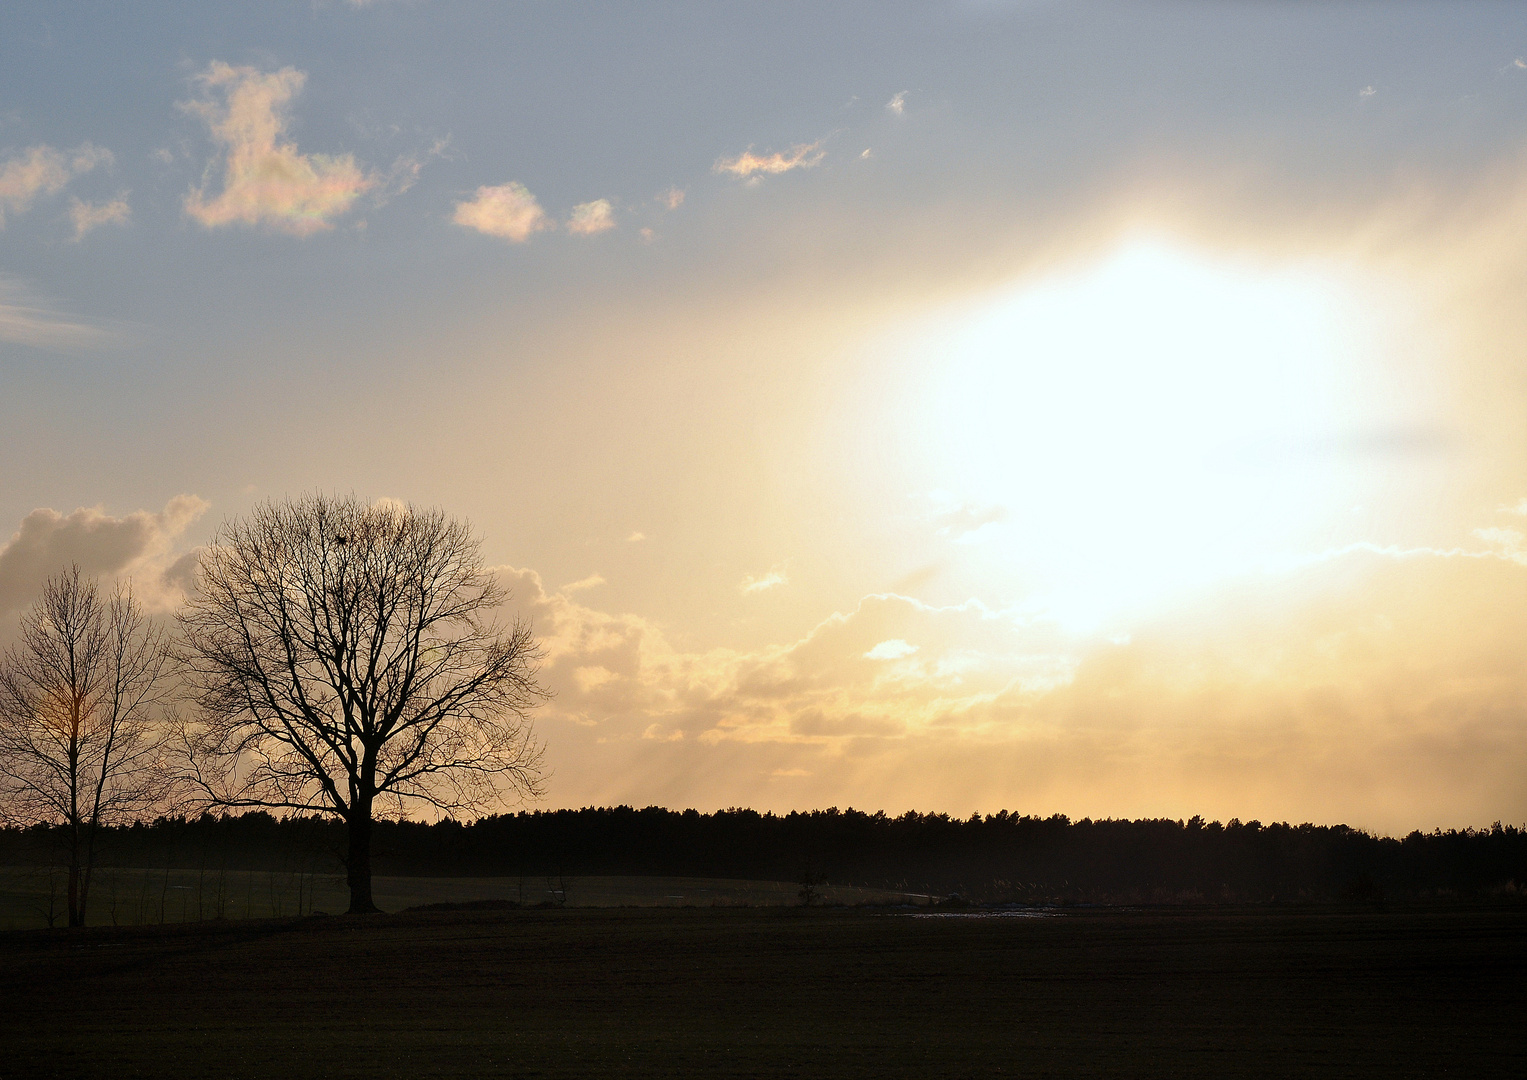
[(76, 913), (85, 873), (87, 870), (358, 864), (76, 908)]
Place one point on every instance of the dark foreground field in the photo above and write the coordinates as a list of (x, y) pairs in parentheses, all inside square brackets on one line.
[(775, 992)]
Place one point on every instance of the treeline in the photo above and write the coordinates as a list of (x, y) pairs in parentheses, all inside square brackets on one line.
[(997, 857)]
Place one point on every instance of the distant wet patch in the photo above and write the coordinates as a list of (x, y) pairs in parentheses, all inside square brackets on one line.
[(1000, 913)]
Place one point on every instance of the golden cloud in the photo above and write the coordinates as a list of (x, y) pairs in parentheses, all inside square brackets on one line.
[(592, 581), (508, 211), (773, 579), (43, 170), (87, 216), (747, 163), (1379, 688), (967, 653), (140, 545), (266, 180), (590, 218)]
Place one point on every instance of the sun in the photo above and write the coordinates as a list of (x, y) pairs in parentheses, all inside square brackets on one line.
[(1147, 424)]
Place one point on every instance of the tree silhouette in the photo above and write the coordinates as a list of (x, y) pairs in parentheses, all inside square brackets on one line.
[(77, 741), (343, 660)]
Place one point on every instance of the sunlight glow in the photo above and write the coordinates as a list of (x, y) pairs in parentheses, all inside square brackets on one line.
[(1150, 423)]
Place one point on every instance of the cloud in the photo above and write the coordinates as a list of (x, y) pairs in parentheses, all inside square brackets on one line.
[(44, 170), (1377, 690), (27, 320), (87, 216), (897, 104), (747, 163), (1366, 92), (621, 673), (590, 218), (1395, 551), (405, 171), (593, 660), (773, 578), (140, 545), (508, 211), (672, 199), (589, 582), (1509, 544), (891, 649), (964, 523), (636, 538), (266, 180)]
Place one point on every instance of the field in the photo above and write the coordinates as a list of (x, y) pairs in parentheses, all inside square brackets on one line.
[(824, 992), (128, 897)]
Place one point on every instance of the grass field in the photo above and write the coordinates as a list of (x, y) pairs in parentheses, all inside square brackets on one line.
[(775, 992), (128, 897)]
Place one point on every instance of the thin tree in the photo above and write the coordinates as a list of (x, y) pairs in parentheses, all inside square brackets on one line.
[(344, 660), (79, 747)]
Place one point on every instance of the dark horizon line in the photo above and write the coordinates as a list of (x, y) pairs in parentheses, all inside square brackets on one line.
[(1194, 823)]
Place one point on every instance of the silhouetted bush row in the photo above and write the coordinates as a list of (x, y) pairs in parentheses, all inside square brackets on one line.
[(994, 857)]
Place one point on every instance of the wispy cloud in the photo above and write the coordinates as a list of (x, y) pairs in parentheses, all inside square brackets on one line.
[(1510, 544), (28, 320), (1387, 551), (897, 104), (590, 218), (43, 170), (404, 173), (891, 649), (508, 211), (673, 198), (636, 538), (775, 577), (584, 583), (747, 163), (964, 523), (87, 216), (266, 180)]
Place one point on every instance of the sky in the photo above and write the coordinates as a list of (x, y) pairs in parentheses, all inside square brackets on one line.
[(1110, 409)]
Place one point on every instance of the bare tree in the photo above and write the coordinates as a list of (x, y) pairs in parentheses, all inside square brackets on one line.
[(78, 745), (345, 661)]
